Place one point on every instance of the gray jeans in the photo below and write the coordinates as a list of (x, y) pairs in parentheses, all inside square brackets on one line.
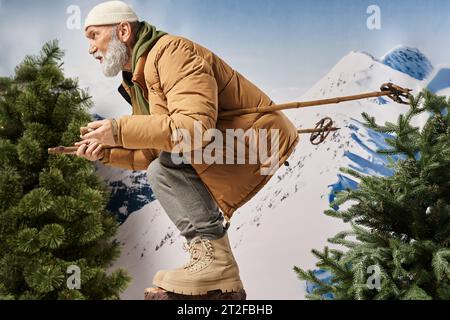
[(185, 198)]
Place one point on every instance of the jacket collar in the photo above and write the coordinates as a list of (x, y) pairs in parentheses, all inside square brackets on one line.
[(137, 78), (138, 74)]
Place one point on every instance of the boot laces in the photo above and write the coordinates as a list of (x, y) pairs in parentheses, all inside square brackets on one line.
[(201, 253)]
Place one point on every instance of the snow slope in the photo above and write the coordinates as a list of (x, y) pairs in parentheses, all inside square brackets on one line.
[(439, 83), (278, 228)]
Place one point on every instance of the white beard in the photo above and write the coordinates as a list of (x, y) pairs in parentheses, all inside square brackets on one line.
[(116, 56)]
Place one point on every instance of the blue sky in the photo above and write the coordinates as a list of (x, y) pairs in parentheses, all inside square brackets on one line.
[(282, 46)]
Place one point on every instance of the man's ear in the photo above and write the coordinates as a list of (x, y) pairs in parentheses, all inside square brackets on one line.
[(124, 31)]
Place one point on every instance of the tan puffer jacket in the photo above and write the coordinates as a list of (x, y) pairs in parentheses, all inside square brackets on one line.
[(183, 83)]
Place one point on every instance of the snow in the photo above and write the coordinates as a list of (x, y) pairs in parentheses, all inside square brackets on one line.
[(278, 228), (439, 82), (410, 61)]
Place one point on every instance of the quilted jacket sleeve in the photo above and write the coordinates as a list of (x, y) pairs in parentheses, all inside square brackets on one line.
[(188, 83), (129, 159)]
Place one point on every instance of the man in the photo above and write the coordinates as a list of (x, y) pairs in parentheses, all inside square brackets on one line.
[(174, 84)]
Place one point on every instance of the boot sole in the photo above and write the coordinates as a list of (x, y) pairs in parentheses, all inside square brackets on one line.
[(225, 287)]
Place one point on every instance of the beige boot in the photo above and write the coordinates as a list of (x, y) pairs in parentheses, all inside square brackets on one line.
[(212, 267)]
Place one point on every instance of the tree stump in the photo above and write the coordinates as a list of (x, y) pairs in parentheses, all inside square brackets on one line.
[(161, 294)]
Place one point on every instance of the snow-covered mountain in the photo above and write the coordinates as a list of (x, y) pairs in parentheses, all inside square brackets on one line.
[(410, 61), (439, 83), (130, 190), (278, 228)]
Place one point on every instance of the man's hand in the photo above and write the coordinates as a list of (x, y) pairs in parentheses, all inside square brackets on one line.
[(103, 132), (91, 150)]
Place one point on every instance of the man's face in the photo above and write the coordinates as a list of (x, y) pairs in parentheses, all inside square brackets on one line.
[(105, 46), (99, 38)]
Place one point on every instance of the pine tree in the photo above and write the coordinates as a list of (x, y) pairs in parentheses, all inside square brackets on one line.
[(52, 208), (401, 223)]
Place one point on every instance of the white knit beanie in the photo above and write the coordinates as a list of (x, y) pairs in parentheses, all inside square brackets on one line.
[(110, 12)]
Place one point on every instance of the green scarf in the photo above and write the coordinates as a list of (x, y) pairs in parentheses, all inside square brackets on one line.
[(146, 39)]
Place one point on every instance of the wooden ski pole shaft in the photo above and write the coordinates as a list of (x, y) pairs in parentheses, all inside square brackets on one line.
[(62, 150), (69, 150), (305, 104), (73, 150), (388, 89), (304, 131)]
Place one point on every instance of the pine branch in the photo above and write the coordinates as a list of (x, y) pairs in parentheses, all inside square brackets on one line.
[(309, 276), (330, 264), (340, 239), (441, 264), (415, 293), (51, 53)]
